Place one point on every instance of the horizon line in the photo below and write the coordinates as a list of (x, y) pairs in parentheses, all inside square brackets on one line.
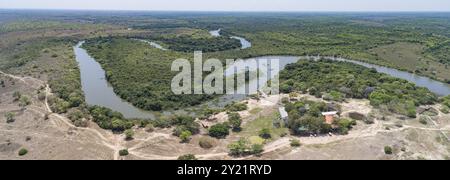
[(237, 11)]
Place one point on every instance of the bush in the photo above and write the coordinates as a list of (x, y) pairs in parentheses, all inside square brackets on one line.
[(119, 125), (185, 123), (423, 120), (445, 110), (129, 134), (265, 133), (24, 101), (109, 119), (75, 99), (295, 143), (41, 96), (75, 115), (17, 95), (219, 131), (239, 148), (285, 100), (235, 121), (162, 122), (185, 136), (411, 112), (206, 142), (344, 125), (149, 128), (242, 147), (23, 152), (388, 150), (236, 107), (58, 105), (187, 157), (10, 117), (123, 152), (257, 148)]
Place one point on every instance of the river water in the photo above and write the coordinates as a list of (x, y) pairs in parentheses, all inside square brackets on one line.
[(99, 92), (244, 42)]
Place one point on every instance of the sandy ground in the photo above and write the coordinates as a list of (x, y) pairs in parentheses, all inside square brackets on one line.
[(57, 138)]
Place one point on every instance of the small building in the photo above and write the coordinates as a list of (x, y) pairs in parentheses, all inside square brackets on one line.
[(329, 116)]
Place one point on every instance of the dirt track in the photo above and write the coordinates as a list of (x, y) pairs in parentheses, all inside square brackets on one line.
[(59, 136)]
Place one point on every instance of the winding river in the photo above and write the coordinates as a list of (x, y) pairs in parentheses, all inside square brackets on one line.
[(99, 92), (244, 42)]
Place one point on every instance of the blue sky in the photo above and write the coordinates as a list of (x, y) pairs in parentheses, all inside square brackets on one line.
[(233, 5)]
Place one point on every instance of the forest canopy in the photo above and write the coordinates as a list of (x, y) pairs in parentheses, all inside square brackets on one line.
[(354, 81)]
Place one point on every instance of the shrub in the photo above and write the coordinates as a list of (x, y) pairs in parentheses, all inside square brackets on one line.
[(445, 110), (75, 115), (24, 101), (185, 136), (41, 96), (185, 123), (129, 134), (236, 107), (238, 148), (235, 121), (423, 120), (344, 125), (17, 95), (265, 133), (219, 131), (75, 99), (162, 122), (23, 152), (123, 152), (285, 100), (149, 128), (411, 112), (10, 117), (187, 157), (119, 125), (257, 148), (388, 150), (58, 105), (295, 143), (206, 142), (356, 116), (242, 147)]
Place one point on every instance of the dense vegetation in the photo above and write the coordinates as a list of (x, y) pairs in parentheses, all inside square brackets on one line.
[(342, 79), (188, 44), (305, 118), (140, 74)]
